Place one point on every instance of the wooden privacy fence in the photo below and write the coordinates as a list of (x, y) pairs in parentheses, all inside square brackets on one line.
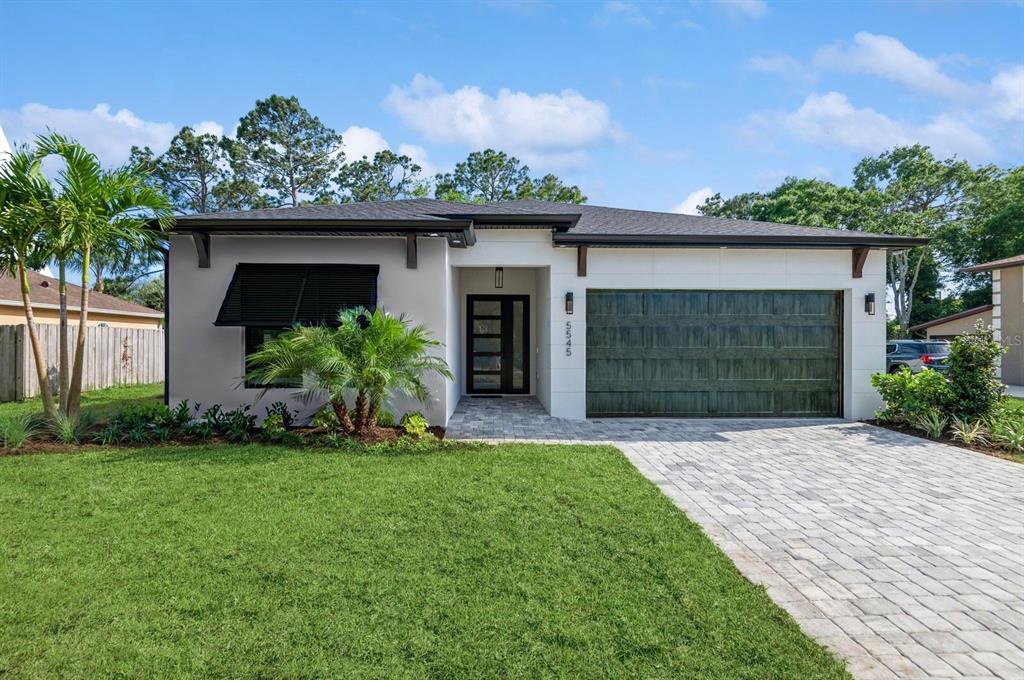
[(113, 356)]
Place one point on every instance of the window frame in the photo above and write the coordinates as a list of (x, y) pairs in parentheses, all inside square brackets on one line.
[(248, 347)]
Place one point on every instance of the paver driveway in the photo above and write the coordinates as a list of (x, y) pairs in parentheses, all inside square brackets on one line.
[(904, 556)]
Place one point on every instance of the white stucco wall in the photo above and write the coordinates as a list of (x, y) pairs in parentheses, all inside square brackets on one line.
[(206, 361), (696, 268)]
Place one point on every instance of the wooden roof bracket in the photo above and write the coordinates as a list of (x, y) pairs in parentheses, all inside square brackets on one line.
[(860, 256)]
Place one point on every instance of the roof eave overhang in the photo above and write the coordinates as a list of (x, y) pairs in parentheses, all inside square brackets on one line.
[(460, 233), (559, 221), (982, 268), (730, 241), (952, 317)]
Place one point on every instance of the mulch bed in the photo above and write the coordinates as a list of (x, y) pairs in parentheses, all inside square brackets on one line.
[(946, 438), (378, 435)]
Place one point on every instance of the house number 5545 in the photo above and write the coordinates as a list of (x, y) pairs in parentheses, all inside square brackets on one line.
[(568, 338)]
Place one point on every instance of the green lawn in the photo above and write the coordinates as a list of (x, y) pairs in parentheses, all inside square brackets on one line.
[(258, 561), (102, 403)]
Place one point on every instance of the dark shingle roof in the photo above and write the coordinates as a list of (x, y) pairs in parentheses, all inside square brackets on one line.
[(997, 264), (574, 223), (43, 291)]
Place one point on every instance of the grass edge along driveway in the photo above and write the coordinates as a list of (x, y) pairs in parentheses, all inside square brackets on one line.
[(517, 560)]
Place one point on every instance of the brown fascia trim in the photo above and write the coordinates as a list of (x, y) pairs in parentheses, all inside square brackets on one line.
[(727, 240), (952, 317), (981, 268)]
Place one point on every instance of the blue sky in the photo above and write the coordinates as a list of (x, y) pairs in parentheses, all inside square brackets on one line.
[(644, 105)]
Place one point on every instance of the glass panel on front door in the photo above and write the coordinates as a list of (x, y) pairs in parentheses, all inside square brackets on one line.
[(497, 356)]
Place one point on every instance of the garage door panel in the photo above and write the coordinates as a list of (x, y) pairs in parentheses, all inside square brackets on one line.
[(714, 353), (676, 304), (679, 337)]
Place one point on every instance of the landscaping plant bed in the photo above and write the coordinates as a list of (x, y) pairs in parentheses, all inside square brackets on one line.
[(947, 438)]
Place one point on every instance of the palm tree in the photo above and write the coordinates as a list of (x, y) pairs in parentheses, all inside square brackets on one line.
[(317, 357), (369, 353), (112, 208), (25, 196), (392, 358)]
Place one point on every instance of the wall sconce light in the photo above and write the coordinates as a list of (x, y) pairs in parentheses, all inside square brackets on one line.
[(869, 303), (499, 277), (568, 302)]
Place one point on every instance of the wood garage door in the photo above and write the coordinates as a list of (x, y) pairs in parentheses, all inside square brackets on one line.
[(692, 353)]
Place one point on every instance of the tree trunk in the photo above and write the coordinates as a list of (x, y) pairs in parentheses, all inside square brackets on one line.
[(63, 370), (37, 349), (362, 412), (341, 413), (371, 418), (75, 392)]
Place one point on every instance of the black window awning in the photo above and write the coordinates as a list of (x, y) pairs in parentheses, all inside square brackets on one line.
[(279, 295)]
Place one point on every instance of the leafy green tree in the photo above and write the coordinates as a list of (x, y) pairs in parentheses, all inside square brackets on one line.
[(189, 171), (24, 195), (550, 188), (911, 193), (484, 177), (809, 202), (385, 178), (149, 293), (285, 150), (489, 176)]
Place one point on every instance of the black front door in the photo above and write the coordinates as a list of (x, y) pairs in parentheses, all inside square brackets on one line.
[(497, 338)]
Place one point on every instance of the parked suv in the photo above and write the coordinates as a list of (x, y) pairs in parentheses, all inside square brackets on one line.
[(916, 355)]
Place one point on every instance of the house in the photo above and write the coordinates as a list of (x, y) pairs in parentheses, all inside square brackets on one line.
[(595, 311), (104, 310), (1008, 313), (948, 327)]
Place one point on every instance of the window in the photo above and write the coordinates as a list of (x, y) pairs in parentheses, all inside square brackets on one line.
[(254, 339)]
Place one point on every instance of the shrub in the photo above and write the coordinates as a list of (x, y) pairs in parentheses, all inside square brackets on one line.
[(385, 418), (325, 418), (281, 409), (1009, 433), (932, 422), (237, 425), (16, 431), (414, 424), (909, 396), (969, 432), (273, 427), (70, 429), (972, 362)]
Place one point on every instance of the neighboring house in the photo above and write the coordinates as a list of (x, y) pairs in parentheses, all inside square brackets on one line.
[(1008, 312), (103, 309), (596, 311), (948, 327)]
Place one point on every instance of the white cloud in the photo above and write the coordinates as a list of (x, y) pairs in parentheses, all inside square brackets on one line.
[(782, 65), (1007, 95), (553, 129), (752, 9), (362, 141), (831, 120), (209, 127), (107, 133), (888, 58), (618, 12), (690, 203)]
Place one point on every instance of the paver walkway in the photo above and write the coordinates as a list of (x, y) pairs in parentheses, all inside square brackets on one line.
[(905, 557)]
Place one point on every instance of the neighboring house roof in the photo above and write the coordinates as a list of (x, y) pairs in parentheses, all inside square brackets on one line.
[(1016, 260), (952, 317), (572, 224), (44, 293)]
